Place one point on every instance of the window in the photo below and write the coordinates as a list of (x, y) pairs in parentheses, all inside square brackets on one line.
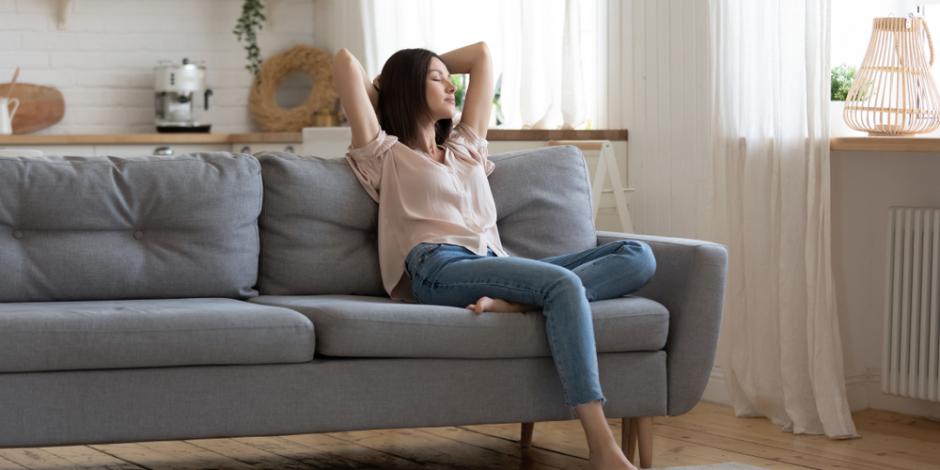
[(851, 24), (931, 12), (525, 38)]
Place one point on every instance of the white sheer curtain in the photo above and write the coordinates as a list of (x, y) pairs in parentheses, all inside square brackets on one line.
[(780, 349), (537, 47), (349, 24)]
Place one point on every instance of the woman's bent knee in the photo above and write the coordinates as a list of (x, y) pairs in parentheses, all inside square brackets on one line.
[(646, 261), (641, 259), (567, 282)]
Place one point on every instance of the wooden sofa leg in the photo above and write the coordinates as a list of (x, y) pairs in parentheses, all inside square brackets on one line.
[(628, 437), (526, 435), (635, 431), (644, 426)]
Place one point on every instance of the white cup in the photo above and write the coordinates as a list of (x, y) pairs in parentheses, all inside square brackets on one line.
[(6, 114)]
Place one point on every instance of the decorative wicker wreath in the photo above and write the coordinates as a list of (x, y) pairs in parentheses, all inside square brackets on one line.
[(262, 102)]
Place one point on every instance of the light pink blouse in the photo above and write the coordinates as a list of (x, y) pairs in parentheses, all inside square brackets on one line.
[(423, 200)]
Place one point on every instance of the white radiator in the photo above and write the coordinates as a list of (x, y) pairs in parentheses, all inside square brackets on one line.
[(911, 358)]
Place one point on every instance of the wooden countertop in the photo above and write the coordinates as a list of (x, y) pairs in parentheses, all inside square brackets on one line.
[(556, 134), (155, 138), (282, 137)]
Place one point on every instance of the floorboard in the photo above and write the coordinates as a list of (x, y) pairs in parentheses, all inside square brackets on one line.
[(707, 434)]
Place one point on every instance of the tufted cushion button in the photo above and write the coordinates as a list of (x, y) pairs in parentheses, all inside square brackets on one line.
[(17, 234), (138, 234)]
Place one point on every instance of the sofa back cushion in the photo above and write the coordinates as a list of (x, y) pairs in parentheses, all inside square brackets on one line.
[(318, 225), (543, 202), (318, 228), (98, 228)]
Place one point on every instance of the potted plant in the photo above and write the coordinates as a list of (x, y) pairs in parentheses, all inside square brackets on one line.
[(842, 77), (459, 81)]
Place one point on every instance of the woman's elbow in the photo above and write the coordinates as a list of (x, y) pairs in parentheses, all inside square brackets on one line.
[(483, 56), (343, 56)]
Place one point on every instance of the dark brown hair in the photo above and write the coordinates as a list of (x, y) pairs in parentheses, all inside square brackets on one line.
[(402, 96)]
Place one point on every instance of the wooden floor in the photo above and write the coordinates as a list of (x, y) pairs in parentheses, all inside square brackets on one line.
[(708, 434)]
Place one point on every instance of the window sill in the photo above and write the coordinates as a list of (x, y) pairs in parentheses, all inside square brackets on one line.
[(885, 144)]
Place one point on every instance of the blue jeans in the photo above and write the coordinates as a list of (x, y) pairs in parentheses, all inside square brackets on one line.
[(446, 274)]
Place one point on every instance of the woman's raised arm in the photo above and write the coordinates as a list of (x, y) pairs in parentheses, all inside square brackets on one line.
[(358, 96), (475, 60)]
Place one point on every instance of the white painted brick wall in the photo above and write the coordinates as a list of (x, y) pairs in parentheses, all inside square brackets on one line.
[(103, 61)]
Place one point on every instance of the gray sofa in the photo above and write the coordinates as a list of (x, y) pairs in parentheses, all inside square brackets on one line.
[(222, 295)]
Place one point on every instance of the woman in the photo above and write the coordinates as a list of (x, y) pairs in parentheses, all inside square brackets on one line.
[(438, 241)]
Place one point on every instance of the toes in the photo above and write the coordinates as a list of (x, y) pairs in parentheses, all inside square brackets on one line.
[(475, 308), (478, 306), (481, 304)]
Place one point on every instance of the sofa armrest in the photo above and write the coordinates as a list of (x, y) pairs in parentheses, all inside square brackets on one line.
[(690, 283)]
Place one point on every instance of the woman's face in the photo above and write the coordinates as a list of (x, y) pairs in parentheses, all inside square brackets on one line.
[(440, 91)]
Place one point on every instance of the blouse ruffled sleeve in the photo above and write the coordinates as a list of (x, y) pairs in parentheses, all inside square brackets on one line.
[(367, 162), (476, 146)]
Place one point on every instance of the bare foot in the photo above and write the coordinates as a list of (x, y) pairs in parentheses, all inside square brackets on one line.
[(610, 458), (489, 304)]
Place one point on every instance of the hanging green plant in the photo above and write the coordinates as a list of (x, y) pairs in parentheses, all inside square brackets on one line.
[(251, 20)]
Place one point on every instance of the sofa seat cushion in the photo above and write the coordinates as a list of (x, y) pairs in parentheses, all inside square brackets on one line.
[(47, 336), (363, 326)]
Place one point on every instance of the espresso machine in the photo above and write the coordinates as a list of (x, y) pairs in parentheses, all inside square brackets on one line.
[(181, 97)]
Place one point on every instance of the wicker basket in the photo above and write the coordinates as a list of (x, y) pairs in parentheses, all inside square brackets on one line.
[(894, 92)]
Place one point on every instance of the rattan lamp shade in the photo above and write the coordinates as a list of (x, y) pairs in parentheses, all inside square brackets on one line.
[(894, 92)]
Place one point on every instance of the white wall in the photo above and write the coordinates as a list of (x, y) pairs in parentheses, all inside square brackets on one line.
[(864, 186), (103, 61), (657, 52)]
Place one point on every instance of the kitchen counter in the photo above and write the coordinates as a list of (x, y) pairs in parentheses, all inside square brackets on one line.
[(155, 138), (282, 137)]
